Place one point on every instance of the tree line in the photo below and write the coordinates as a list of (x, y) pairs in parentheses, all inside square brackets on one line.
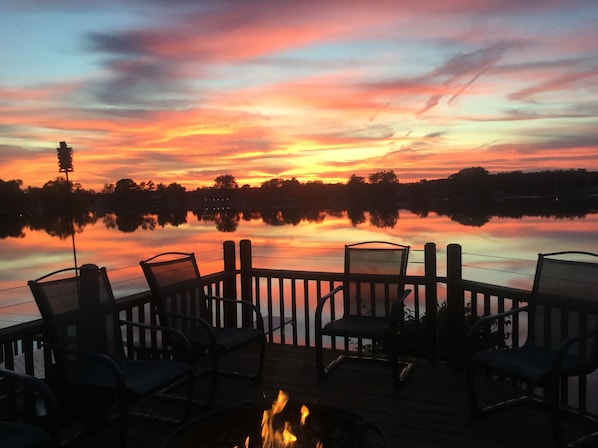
[(380, 187)]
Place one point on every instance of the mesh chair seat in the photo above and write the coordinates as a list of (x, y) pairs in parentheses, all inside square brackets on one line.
[(141, 377), (357, 327), (528, 363), (16, 435), (562, 336), (373, 295), (227, 339)]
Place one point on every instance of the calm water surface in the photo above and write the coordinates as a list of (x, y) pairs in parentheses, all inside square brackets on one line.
[(502, 251)]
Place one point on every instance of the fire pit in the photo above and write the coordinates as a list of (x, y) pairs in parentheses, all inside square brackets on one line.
[(243, 427)]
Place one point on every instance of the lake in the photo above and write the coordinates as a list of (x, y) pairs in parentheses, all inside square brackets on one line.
[(502, 251)]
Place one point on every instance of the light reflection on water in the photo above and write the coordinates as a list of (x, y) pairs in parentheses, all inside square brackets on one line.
[(503, 251)]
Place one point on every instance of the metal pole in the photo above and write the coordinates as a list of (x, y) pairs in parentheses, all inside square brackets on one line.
[(70, 205)]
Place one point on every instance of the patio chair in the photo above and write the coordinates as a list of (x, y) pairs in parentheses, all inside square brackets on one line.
[(83, 329), (179, 300), (373, 296), (562, 337), (30, 419)]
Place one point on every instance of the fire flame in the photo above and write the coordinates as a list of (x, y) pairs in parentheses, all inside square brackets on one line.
[(304, 414), (282, 437)]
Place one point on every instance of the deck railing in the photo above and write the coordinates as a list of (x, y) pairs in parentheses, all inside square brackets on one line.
[(440, 311)]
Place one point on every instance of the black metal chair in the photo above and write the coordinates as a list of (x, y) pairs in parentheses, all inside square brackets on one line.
[(83, 329), (561, 343), (179, 299), (36, 423), (373, 294)]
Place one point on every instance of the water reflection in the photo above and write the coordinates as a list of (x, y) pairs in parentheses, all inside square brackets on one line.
[(227, 218), (501, 251)]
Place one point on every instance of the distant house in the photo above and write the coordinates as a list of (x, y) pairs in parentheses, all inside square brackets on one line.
[(217, 200)]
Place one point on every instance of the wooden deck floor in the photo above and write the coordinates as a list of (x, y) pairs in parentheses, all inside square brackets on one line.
[(429, 410)]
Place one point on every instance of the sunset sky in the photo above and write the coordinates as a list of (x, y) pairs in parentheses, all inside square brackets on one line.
[(186, 90)]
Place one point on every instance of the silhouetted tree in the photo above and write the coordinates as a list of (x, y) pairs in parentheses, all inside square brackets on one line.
[(384, 188), (125, 187), (272, 183), (356, 216), (384, 177), (315, 216), (12, 196), (127, 194), (384, 218), (171, 196), (473, 172), (356, 181), (110, 220), (227, 221), (173, 216), (226, 181), (355, 195), (11, 226), (129, 222), (147, 186)]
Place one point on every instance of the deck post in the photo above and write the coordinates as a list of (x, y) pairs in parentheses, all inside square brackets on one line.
[(229, 285), (430, 273), (246, 266), (455, 305)]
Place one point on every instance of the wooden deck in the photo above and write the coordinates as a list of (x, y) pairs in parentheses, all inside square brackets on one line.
[(429, 410)]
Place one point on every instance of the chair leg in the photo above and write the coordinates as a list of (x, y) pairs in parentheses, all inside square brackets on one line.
[(214, 379), (215, 370), (471, 390), (123, 421), (258, 375), (319, 355), (190, 390), (393, 357), (399, 370), (552, 396)]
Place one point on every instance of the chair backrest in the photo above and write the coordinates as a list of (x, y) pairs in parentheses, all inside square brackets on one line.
[(374, 276), (564, 301), (79, 312), (176, 286)]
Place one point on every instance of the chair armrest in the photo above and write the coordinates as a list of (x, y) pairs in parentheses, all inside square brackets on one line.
[(197, 319), (565, 346), (173, 331), (396, 310), (155, 327), (483, 321), (100, 358), (322, 302), (487, 320), (243, 304)]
